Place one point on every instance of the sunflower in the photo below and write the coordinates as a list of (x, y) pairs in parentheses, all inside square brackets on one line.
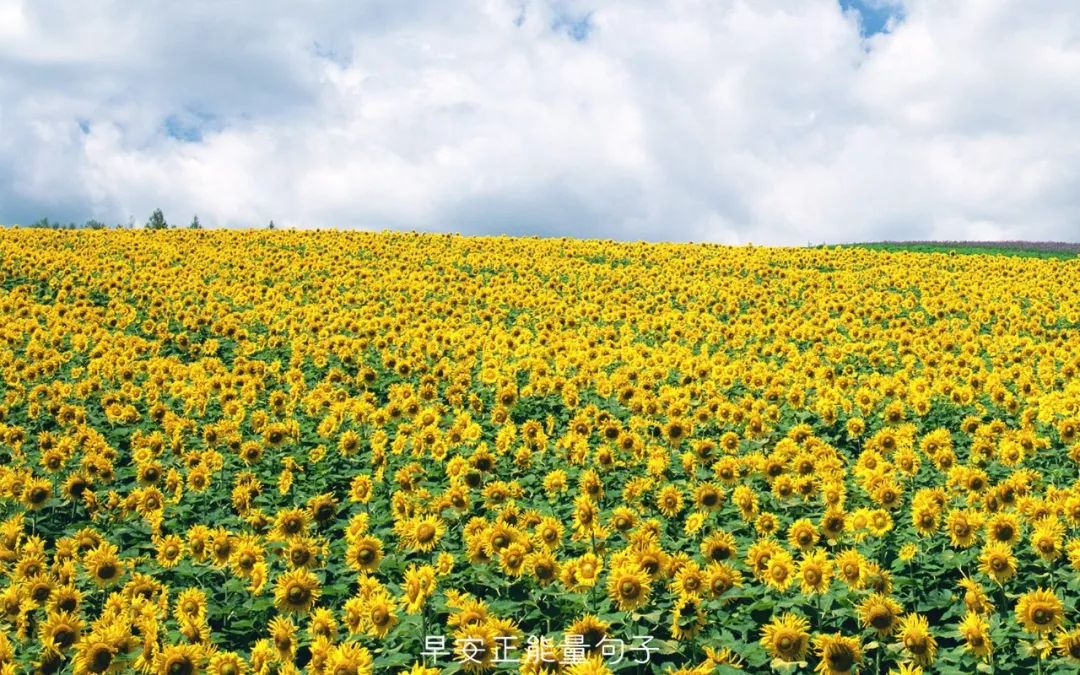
[(676, 431), (925, 518), (296, 591), (364, 554), (222, 546), (815, 573), (379, 614), (879, 612), (590, 665), (585, 514), (247, 553), (191, 605), (1039, 611), (512, 560), (767, 524), (719, 547), (444, 563), (997, 562), (976, 633), (708, 497), (721, 578), (349, 659), (689, 581), (39, 588), (179, 659), (301, 552), (322, 508), (786, 637), (36, 493), (1047, 538), (77, 486), (198, 542), (360, 489), (283, 634), (419, 584), (839, 654), (669, 501), (628, 586), (104, 565), (476, 647), (917, 640), (291, 522), (802, 535), (833, 523), (651, 558), (975, 598), (876, 578), (688, 618), (322, 622), (542, 566), (65, 599), (227, 663), (1068, 645), (780, 572), (170, 550), (548, 532), (962, 525), (275, 434), (102, 650), (593, 632), (60, 631), (422, 534)]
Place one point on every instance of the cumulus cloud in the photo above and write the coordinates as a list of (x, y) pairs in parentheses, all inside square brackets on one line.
[(772, 121)]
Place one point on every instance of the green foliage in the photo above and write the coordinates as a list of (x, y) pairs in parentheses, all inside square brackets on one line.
[(157, 221), (973, 248)]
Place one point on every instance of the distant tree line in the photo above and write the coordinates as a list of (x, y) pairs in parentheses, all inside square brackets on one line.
[(156, 221)]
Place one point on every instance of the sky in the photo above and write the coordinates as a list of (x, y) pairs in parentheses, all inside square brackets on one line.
[(785, 122)]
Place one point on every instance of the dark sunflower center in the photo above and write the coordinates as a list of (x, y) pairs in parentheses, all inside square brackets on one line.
[(916, 645), (64, 637), (100, 660), (1042, 616), (182, 666), (881, 619), (840, 658), (425, 533), (298, 595)]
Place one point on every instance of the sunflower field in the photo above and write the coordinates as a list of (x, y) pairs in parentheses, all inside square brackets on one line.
[(348, 453)]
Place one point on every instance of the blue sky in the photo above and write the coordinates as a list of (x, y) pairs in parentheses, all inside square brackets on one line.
[(734, 121), (874, 15)]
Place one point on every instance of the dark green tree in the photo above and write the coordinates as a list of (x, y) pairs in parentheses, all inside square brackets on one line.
[(195, 224), (157, 221)]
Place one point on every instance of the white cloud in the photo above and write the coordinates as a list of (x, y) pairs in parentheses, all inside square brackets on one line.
[(770, 121)]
